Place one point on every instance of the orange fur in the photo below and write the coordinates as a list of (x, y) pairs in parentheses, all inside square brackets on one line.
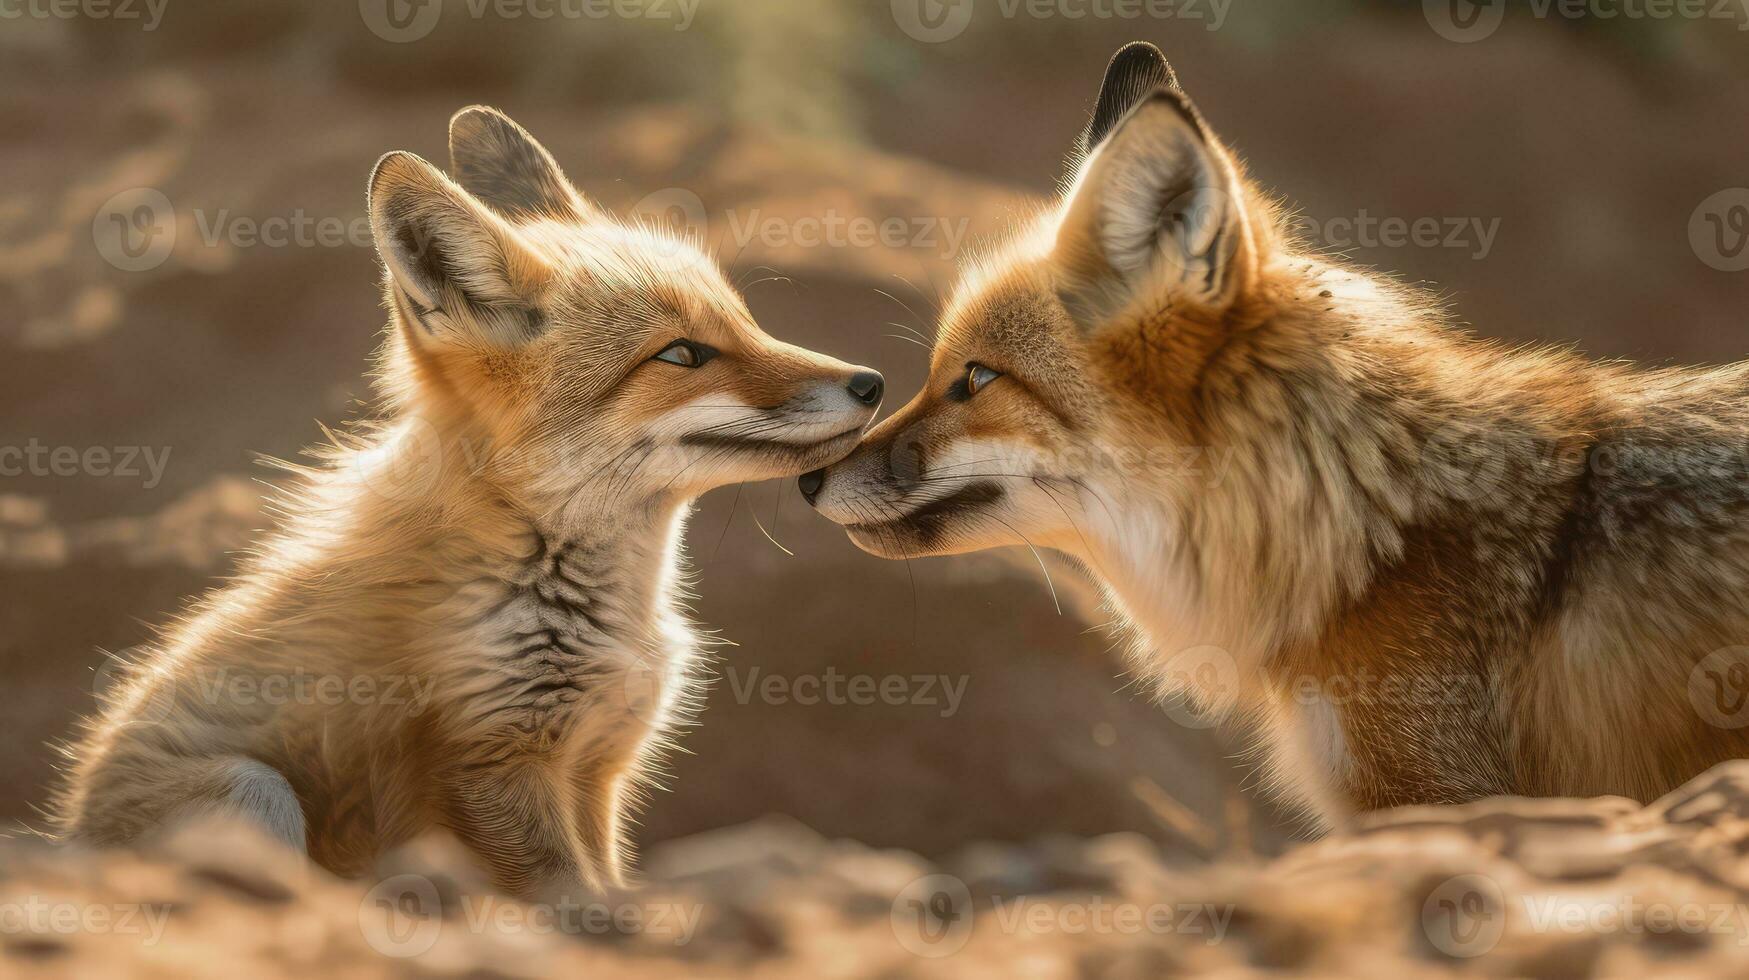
[(1402, 553), (502, 545)]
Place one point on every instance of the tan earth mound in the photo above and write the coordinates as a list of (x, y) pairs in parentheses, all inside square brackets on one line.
[(1507, 887)]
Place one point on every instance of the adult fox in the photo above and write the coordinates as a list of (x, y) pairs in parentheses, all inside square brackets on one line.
[(470, 616), (1427, 567)]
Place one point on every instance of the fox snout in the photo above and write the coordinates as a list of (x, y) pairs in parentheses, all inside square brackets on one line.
[(867, 387), (813, 482), (840, 405), (821, 419), (866, 485)]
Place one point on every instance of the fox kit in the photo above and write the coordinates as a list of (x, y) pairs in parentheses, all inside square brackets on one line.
[(470, 616), (1429, 569)]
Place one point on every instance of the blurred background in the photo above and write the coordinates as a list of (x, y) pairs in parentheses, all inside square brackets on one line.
[(186, 282)]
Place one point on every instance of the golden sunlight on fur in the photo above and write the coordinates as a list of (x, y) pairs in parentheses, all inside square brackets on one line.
[(470, 614), (1424, 567)]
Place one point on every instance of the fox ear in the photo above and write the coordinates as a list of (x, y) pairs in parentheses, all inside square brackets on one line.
[(462, 267), (1156, 215), (498, 162), (1135, 71)]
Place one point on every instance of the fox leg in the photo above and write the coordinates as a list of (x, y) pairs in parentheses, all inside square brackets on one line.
[(137, 796), (523, 823)]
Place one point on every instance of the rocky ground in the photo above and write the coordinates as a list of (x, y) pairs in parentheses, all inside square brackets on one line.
[(1506, 888)]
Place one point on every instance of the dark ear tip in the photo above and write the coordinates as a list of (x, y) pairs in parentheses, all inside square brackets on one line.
[(1141, 58), (1139, 50), (1136, 70)]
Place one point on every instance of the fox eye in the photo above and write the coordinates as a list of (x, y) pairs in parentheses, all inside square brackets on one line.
[(686, 353), (977, 376)]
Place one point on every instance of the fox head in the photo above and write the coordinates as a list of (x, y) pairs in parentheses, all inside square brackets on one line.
[(553, 348), (1069, 366)]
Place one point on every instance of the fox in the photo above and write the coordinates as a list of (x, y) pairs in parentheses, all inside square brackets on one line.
[(1411, 566), (471, 616)]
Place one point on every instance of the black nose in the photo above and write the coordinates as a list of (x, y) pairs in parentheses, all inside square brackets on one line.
[(867, 387), (810, 483)]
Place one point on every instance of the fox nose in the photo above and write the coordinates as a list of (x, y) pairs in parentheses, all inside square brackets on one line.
[(866, 387), (810, 483)]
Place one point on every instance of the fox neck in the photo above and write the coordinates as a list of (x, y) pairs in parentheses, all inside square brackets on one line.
[(420, 505), (1254, 554)]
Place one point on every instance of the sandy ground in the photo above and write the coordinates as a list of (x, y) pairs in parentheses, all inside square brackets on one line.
[(1504, 888)]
